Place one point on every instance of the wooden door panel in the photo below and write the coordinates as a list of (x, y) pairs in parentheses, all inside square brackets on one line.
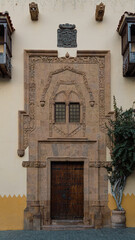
[(58, 180), (67, 190), (75, 172)]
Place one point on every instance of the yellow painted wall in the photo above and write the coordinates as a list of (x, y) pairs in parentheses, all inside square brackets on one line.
[(12, 212), (128, 203)]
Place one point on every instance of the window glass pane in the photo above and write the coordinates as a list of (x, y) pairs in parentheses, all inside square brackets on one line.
[(60, 112), (74, 112)]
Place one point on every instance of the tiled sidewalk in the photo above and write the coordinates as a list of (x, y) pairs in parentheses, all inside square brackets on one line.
[(92, 234)]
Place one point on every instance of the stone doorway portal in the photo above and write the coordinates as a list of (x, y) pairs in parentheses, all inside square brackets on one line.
[(66, 103)]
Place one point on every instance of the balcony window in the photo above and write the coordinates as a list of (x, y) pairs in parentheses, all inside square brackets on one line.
[(126, 29), (6, 29)]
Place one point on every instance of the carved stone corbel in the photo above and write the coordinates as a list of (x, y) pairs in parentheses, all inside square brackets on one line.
[(33, 7), (100, 10)]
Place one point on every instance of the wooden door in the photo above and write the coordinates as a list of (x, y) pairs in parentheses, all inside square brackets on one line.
[(67, 190)]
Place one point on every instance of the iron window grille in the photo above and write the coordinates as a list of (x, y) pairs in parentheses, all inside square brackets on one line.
[(74, 112), (60, 112)]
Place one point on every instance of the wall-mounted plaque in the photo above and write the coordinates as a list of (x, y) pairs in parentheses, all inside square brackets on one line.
[(66, 36)]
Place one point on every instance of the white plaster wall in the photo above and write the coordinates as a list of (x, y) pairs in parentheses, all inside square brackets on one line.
[(91, 35)]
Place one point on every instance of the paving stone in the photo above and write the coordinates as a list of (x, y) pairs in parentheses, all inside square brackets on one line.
[(92, 234)]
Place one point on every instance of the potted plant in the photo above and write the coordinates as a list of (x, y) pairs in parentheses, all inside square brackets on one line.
[(121, 133)]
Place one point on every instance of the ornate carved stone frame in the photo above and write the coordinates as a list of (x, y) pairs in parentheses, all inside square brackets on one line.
[(31, 57), (37, 213)]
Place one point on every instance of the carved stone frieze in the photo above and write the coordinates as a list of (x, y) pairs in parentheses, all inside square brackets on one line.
[(69, 68), (69, 60), (109, 116), (63, 134), (102, 109), (99, 164), (33, 164)]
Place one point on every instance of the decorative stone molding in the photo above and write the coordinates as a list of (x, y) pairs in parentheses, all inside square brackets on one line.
[(33, 7), (34, 164), (100, 10), (27, 121), (88, 77), (100, 164), (109, 116), (25, 127), (63, 70), (81, 124), (98, 203)]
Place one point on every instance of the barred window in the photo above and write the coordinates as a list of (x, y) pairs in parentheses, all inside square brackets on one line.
[(74, 112), (60, 112)]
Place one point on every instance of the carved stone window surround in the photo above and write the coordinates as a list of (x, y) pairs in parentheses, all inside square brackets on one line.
[(35, 56), (79, 125)]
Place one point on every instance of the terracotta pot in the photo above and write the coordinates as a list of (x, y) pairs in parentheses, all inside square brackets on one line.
[(118, 219)]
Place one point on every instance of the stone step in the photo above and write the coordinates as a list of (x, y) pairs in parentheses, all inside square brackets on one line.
[(67, 222), (59, 227)]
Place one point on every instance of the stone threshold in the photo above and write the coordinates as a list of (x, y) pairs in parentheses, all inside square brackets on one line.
[(66, 225)]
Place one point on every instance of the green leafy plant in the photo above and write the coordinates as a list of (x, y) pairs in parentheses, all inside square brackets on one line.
[(121, 133)]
